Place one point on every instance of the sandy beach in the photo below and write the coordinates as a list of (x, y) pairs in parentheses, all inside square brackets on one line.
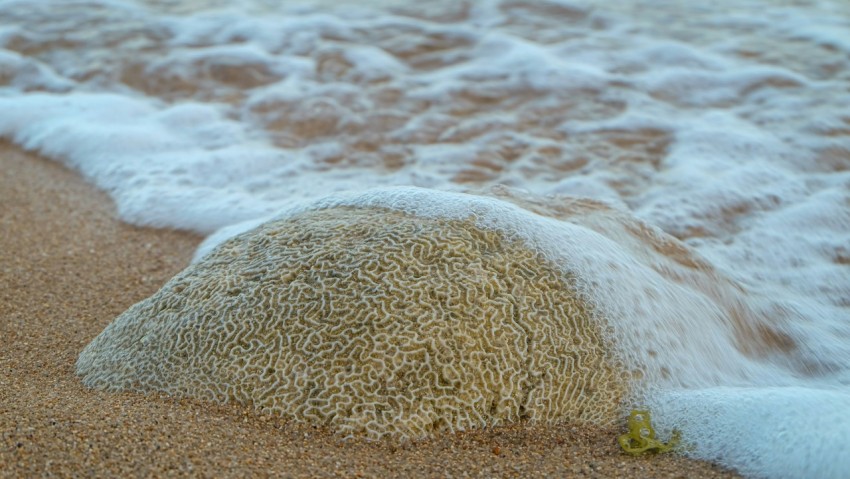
[(69, 267)]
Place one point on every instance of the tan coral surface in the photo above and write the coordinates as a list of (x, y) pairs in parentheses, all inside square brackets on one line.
[(370, 321)]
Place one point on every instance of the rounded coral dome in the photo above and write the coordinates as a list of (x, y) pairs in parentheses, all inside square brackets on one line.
[(369, 321)]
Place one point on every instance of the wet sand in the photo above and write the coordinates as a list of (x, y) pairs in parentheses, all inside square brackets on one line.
[(68, 267)]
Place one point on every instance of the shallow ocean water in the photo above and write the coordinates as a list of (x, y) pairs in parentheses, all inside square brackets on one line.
[(725, 126)]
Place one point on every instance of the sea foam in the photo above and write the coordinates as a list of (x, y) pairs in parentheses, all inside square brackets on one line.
[(715, 135)]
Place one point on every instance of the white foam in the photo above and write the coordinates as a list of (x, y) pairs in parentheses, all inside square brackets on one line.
[(27, 74), (522, 64), (724, 125), (762, 432)]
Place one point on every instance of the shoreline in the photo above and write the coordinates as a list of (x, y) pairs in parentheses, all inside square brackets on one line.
[(68, 267)]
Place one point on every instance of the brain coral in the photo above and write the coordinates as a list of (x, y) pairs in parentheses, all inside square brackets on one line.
[(370, 321)]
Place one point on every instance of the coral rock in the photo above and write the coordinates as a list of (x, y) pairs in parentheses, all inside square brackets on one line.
[(370, 321)]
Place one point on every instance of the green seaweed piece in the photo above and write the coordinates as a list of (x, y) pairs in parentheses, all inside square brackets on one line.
[(641, 436)]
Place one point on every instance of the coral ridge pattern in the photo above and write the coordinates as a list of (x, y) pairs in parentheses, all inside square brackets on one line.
[(372, 322)]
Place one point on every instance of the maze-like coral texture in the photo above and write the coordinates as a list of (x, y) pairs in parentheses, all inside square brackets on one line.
[(370, 321)]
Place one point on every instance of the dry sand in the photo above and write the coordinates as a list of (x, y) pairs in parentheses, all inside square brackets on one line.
[(69, 267)]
